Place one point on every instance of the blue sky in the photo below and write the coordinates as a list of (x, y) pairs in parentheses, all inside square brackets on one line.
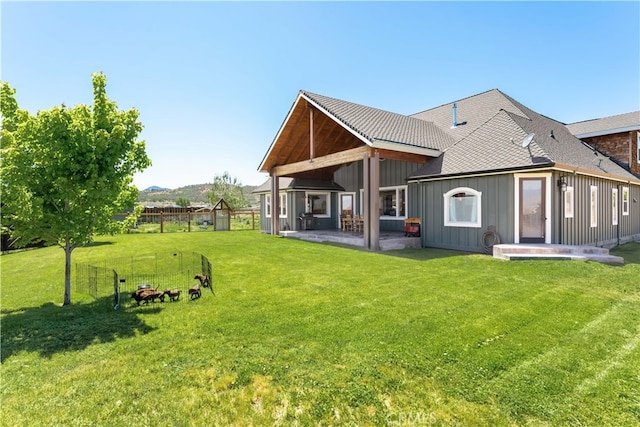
[(213, 81)]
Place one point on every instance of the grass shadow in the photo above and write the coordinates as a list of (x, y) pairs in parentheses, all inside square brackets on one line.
[(417, 254), (51, 329), (629, 251), (426, 254), (94, 243)]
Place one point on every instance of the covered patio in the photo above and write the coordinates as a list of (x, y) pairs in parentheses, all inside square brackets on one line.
[(322, 134)]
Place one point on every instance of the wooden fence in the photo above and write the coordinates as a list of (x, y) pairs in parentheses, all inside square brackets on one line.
[(174, 219)]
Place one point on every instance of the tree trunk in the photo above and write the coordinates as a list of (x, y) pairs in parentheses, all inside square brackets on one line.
[(68, 248)]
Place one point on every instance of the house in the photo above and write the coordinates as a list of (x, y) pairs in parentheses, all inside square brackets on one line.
[(615, 136), (481, 164)]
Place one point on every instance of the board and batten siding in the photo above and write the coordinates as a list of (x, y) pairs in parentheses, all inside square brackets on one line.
[(427, 202), (392, 173), (579, 231), (295, 203)]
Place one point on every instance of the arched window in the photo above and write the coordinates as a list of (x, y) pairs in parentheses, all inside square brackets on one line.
[(463, 208)]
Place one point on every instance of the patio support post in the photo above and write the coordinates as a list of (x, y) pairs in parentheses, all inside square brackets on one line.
[(366, 197), (311, 139), (275, 208), (374, 200), (371, 202)]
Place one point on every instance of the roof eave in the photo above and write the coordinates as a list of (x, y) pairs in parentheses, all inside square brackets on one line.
[(478, 173), (607, 131), (262, 168), (404, 147), (358, 135), (589, 172)]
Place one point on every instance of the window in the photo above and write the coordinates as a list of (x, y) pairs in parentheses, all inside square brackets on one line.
[(393, 202), (614, 206), (568, 203), (319, 204), (625, 201), (268, 205), (463, 208), (638, 146), (594, 206), (282, 207)]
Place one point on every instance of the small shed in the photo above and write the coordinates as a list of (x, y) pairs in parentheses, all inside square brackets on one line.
[(222, 216)]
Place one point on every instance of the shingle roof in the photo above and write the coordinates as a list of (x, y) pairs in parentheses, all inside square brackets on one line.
[(606, 125), (488, 135), (285, 183), (471, 113), (375, 124), (495, 145), (491, 140)]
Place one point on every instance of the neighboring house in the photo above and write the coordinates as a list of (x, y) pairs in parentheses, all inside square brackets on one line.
[(481, 163), (616, 136)]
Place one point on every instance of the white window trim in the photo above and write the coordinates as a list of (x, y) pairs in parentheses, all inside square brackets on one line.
[(625, 207), (283, 205), (568, 197), (614, 206), (638, 146), (269, 206), (468, 224), (516, 207), (386, 217), (406, 202), (593, 206), (319, 193), (341, 208)]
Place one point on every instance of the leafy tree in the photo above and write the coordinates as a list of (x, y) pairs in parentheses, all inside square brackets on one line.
[(227, 188), (183, 202), (67, 171)]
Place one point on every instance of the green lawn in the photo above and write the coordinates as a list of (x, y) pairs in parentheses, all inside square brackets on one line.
[(312, 334)]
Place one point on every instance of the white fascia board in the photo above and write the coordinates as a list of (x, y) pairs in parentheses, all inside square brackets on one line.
[(379, 143), (556, 167), (332, 117), (404, 148), (606, 132), (284, 123)]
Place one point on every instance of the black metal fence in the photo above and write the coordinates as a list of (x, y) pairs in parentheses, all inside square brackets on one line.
[(122, 276)]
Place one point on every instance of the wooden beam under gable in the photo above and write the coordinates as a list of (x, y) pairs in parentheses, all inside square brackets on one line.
[(334, 159)]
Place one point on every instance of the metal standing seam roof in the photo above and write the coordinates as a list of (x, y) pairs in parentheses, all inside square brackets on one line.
[(606, 125), (375, 124)]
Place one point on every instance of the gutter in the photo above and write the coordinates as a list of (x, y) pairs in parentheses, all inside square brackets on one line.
[(547, 167), (606, 132), (403, 147), (483, 173)]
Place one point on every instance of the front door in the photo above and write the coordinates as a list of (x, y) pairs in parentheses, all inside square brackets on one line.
[(345, 205), (532, 210)]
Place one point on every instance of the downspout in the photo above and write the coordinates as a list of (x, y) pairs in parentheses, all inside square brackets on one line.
[(618, 211), (562, 189)]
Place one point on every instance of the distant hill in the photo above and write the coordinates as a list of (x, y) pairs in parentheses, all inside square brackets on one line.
[(155, 188), (196, 194)]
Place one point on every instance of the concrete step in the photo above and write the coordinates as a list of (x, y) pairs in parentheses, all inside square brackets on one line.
[(555, 252)]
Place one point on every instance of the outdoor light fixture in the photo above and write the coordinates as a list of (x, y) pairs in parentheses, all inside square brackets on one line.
[(562, 183)]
